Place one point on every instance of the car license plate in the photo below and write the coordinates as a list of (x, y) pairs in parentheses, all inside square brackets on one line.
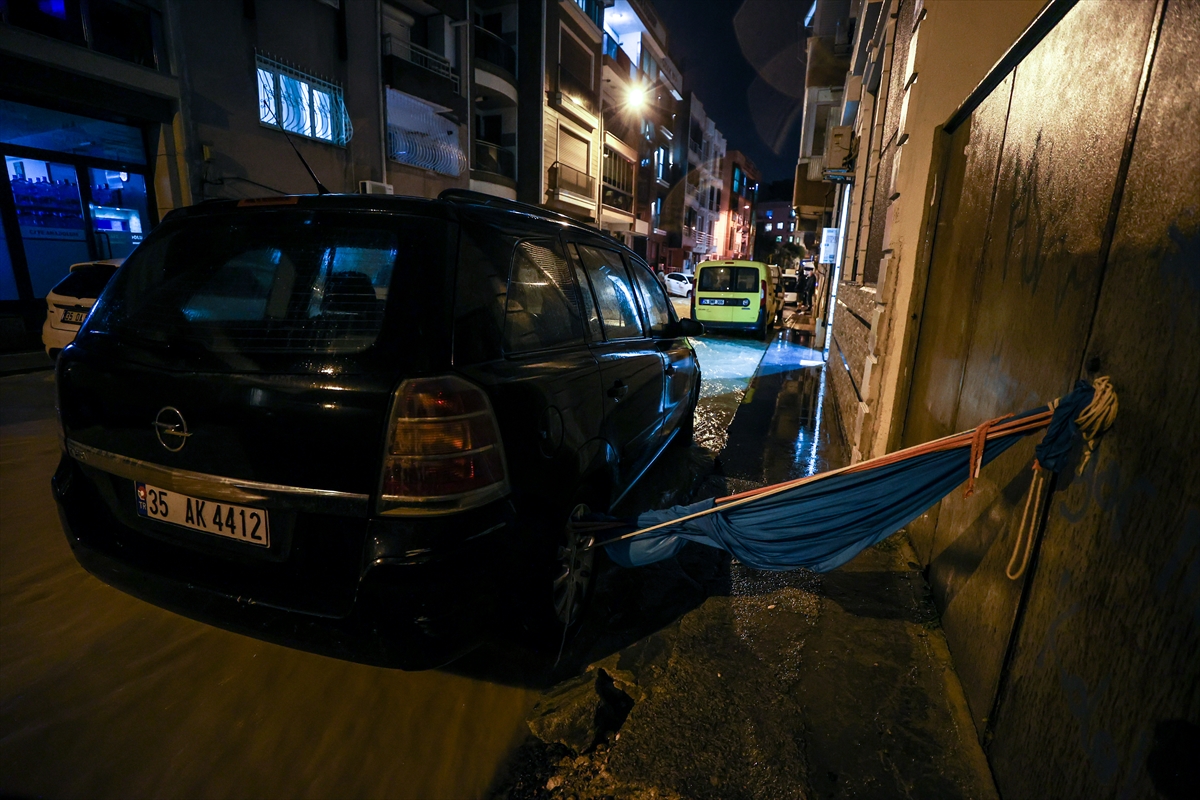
[(220, 519), (712, 301), (74, 317)]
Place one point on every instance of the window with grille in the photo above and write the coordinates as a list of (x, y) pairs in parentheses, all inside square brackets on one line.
[(301, 104)]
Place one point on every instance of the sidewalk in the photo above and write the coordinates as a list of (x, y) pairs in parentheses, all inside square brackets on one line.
[(774, 685), (19, 363)]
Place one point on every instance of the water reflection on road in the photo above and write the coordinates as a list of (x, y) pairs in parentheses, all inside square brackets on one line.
[(727, 365)]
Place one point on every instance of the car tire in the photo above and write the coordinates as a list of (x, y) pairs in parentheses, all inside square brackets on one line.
[(689, 294), (562, 586)]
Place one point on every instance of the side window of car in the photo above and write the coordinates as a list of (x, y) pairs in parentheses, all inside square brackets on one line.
[(658, 310), (614, 293), (542, 308), (591, 316)]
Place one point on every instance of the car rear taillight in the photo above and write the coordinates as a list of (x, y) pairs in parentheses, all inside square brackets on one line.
[(443, 451), (762, 295)]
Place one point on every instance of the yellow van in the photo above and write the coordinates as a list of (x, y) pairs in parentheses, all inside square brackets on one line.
[(737, 295)]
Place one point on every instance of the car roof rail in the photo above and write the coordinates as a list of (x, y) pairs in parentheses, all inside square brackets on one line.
[(481, 199)]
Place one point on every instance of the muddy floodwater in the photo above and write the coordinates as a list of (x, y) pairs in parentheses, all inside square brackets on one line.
[(103, 695)]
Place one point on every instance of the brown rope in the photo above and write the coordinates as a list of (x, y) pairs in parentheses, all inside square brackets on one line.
[(978, 443)]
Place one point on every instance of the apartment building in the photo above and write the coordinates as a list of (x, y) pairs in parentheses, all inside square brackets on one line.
[(114, 112), (736, 229), (775, 226), (694, 203), (643, 89)]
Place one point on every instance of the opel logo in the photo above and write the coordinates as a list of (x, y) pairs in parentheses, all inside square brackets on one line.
[(171, 429)]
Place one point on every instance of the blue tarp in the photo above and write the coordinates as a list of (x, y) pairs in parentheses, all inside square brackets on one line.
[(824, 523)]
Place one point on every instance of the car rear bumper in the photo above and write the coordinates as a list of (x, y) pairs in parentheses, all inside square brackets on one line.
[(407, 593), (732, 325), (55, 339)]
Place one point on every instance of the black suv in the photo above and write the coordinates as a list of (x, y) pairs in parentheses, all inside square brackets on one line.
[(351, 407)]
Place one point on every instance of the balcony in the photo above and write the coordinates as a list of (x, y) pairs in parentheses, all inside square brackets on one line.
[(704, 243), (617, 198), (576, 95), (572, 181), (422, 73), (426, 59), (616, 59), (496, 52), (495, 159)]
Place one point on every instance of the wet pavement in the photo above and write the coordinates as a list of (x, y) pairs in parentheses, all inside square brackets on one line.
[(703, 678), (695, 677)]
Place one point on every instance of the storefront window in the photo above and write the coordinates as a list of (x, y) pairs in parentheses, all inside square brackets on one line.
[(119, 217), (50, 216)]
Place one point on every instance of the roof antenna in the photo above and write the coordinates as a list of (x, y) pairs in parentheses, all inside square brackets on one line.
[(320, 186)]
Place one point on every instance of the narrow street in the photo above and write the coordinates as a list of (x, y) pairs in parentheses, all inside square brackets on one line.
[(787, 684)]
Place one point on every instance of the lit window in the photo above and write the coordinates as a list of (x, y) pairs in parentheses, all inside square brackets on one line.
[(770, 214), (301, 104), (770, 226), (779, 238)]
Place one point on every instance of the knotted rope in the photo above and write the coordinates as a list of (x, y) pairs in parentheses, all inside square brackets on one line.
[(1092, 422)]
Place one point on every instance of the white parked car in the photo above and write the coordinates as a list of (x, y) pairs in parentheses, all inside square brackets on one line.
[(679, 284), (68, 303)]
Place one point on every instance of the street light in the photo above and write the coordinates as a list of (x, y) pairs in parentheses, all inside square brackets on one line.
[(636, 98)]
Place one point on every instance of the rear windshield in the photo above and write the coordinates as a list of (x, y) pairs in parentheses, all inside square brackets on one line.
[(85, 282), (276, 282), (729, 279), (789, 284)]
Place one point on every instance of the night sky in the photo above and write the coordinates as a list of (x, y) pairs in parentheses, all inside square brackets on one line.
[(756, 106)]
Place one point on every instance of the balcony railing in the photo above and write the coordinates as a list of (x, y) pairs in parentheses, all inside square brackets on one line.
[(494, 50), (576, 90), (703, 243), (696, 147), (569, 179), (415, 54), (494, 158), (432, 151), (594, 11), (616, 198), (610, 46)]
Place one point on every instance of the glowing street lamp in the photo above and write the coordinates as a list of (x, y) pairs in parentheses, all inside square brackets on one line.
[(636, 99)]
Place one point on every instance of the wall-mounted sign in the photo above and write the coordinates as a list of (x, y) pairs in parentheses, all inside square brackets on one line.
[(829, 240)]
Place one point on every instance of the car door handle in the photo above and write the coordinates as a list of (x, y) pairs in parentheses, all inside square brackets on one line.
[(618, 390), (671, 370)]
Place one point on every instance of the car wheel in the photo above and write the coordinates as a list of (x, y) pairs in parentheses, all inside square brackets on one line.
[(572, 571), (689, 294)]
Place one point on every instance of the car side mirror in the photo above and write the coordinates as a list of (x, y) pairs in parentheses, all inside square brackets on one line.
[(690, 327)]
